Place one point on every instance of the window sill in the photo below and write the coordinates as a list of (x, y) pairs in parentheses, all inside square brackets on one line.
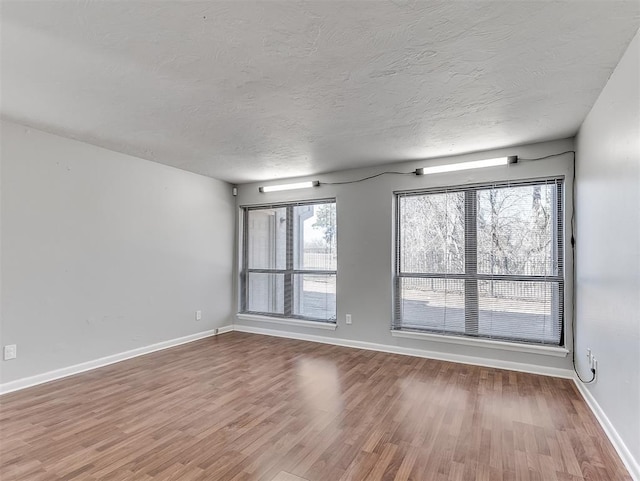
[(292, 322), (486, 343)]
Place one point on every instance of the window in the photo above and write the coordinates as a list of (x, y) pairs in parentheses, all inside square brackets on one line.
[(289, 261), (482, 261)]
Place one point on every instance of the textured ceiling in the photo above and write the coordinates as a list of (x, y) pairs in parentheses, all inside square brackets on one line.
[(245, 91)]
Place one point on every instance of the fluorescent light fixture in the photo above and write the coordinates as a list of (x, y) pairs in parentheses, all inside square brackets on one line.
[(476, 164), (297, 185)]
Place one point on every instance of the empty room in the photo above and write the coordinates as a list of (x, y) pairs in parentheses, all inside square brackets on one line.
[(320, 241)]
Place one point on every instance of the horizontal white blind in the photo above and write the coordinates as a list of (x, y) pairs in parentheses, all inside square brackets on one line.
[(482, 261)]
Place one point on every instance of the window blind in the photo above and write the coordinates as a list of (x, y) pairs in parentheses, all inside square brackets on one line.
[(482, 261), (289, 260)]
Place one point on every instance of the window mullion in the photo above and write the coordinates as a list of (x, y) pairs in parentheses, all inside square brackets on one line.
[(398, 315), (288, 276), (471, 263), (557, 309), (244, 272)]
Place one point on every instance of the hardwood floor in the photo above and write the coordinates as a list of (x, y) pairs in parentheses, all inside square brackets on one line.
[(247, 407)]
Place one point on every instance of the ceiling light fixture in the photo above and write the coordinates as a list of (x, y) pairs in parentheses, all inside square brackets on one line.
[(297, 185), (476, 164)]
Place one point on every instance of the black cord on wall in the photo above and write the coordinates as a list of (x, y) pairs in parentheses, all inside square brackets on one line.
[(573, 297), (366, 178), (573, 262), (555, 155)]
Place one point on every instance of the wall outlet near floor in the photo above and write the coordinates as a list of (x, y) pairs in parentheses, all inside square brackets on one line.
[(347, 318), (591, 358), (10, 351), (198, 315)]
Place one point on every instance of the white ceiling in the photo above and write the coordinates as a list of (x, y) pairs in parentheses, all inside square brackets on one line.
[(246, 91)]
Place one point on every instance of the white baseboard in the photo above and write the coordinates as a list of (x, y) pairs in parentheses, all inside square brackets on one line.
[(105, 361), (223, 329), (441, 356), (631, 464)]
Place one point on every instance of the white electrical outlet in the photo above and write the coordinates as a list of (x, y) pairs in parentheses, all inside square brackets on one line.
[(589, 355), (347, 318), (10, 352), (198, 315)]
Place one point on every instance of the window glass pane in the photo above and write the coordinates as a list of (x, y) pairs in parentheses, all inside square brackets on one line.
[(267, 238), (289, 238), (520, 310), (516, 233), (432, 304), (266, 293), (432, 233), (515, 230), (314, 237), (315, 296)]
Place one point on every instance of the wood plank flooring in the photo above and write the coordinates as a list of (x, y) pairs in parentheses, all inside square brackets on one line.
[(241, 407)]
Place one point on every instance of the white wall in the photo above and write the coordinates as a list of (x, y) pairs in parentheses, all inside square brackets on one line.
[(365, 248), (103, 253), (608, 247)]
